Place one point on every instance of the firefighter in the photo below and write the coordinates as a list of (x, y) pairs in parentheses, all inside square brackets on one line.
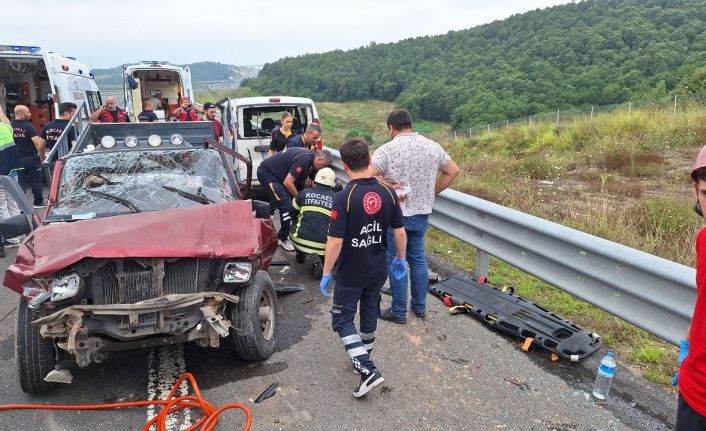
[(313, 206)]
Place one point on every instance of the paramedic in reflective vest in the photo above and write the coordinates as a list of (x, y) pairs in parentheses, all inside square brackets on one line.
[(29, 145), (110, 113), (313, 206), (186, 112), (307, 139), (51, 132), (280, 174), (357, 238)]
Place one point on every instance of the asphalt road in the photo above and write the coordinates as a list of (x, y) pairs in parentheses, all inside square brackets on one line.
[(442, 373)]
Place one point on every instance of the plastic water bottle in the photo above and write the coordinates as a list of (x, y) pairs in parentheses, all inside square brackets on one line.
[(606, 371)]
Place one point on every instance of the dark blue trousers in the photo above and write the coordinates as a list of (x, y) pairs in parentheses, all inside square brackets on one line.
[(279, 198), (345, 304), (31, 177)]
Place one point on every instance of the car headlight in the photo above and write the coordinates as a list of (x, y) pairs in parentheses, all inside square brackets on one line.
[(65, 287), (108, 141), (176, 139), (237, 272)]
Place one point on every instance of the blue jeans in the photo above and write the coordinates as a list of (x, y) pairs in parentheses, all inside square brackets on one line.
[(416, 228)]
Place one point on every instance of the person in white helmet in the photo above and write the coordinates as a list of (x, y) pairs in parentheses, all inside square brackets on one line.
[(313, 210)]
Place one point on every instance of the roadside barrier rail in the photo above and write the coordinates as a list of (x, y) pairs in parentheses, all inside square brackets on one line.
[(650, 292)]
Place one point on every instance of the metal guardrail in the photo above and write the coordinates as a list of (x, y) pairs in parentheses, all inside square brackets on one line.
[(650, 292)]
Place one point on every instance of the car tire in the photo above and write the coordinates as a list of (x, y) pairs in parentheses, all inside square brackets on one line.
[(318, 268), (255, 339), (35, 354), (300, 257)]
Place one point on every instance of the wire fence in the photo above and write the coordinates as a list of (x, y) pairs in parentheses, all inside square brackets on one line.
[(565, 116)]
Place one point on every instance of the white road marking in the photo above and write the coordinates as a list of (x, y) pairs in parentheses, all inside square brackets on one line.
[(164, 366)]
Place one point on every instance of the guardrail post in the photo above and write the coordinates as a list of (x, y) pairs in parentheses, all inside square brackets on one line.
[(482, 264)]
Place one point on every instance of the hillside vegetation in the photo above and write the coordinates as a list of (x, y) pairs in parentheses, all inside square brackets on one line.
[(622, 176), (203, 71), (592, 52)]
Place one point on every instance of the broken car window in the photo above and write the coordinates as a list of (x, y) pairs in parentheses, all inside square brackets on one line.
[(133, 181)]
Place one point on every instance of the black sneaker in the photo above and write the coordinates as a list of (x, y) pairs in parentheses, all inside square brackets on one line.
[(387, 315), (367, 383), (420, 314)]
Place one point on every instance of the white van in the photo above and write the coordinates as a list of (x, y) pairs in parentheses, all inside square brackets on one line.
[(41, 80), (157, 80), (252, 119)]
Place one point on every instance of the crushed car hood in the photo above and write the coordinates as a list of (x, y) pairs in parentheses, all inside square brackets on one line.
[(207, 231)]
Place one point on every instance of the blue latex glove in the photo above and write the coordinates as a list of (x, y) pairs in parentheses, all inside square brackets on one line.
[(324, 284), (398, 268), (683, 351)]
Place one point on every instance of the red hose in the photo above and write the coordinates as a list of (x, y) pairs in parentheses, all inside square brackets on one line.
[(207, 422)]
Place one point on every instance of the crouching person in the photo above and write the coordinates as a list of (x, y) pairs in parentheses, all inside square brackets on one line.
[(312, 208), (360, 217)]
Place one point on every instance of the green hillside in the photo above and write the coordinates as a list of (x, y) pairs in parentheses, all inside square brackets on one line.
[(586, 53), (202, 71)]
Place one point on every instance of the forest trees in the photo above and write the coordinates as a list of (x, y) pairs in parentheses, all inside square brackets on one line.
[(587, 53)]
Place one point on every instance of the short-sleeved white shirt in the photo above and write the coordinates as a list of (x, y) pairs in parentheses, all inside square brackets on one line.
[(412, 159)]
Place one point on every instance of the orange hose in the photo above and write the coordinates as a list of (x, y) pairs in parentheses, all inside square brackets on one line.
[(207, 422)]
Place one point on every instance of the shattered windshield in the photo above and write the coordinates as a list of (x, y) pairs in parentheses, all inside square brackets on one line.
[(102, 184)]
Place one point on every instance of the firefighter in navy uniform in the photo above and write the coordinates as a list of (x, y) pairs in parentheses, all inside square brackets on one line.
[(282, 175), (313, 206), (361, 215)]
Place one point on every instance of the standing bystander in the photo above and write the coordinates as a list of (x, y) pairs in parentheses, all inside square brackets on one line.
[(31, 147), (410, 164), (361, 215), (10, 162), (209, 114), (147, 115), (281, 135), (691, 412), (110, 113)]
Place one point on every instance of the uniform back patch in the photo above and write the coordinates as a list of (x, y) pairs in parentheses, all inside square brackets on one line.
[(372, 203)]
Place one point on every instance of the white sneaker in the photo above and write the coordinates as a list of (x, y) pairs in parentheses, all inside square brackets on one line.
[(367, 383), (286, 245)]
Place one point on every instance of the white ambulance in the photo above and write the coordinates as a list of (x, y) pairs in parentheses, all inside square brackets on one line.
[(159, 81), (41, 80)]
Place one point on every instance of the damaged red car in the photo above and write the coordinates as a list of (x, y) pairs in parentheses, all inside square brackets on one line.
[(146, 240)]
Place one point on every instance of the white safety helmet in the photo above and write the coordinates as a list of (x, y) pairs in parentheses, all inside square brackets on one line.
[(326, 176)]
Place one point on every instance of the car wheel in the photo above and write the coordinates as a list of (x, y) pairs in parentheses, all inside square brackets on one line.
[(300, 257), (318, 268), (35, 354), (254, 320)]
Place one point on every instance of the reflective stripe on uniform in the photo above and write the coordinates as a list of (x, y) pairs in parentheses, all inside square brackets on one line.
[(274, 193)]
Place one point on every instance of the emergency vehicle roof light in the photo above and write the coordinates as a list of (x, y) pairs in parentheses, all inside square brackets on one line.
[(20, 48), (274, 99)]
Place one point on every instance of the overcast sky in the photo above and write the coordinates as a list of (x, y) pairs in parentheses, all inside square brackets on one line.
[(107, 34)]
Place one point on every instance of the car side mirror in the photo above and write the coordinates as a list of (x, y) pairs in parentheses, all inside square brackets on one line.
[(262, 209), (15, 226)]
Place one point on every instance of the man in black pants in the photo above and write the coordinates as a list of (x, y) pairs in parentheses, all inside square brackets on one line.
[(282, 175), (30, 146), (360, 217)]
